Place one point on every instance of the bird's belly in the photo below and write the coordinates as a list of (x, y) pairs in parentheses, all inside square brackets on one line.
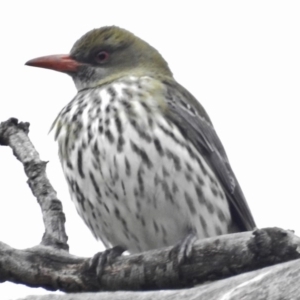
[(147, 191), (135, 179)]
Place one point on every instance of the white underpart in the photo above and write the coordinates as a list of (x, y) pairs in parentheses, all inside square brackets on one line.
[(152, 220)]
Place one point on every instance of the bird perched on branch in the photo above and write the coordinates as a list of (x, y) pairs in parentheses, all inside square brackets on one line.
[(144, 165)]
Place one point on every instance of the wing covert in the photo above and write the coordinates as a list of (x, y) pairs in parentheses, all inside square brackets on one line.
[(192, 120)]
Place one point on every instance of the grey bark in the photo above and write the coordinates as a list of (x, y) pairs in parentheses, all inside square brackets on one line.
[(279, 282), (15, 135)]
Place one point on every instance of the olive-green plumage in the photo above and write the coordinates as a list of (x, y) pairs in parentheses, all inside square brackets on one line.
[(140, 154), (128, 55)]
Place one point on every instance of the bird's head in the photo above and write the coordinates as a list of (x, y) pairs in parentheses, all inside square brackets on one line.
[(105, 54)]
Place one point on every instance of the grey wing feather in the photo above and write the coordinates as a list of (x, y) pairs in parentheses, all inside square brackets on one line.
[(191, 118)]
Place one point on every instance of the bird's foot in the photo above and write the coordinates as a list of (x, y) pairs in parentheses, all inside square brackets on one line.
[(101, 259), (183, 249)]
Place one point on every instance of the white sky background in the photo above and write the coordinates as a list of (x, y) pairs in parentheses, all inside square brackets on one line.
[(241, 59)]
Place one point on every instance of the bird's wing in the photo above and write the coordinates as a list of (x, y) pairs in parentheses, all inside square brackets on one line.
[(192, 120)]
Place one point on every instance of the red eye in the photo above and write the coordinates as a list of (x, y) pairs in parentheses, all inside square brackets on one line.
[(101, 56)]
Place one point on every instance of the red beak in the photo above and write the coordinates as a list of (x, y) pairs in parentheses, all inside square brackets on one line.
[(60, 63)]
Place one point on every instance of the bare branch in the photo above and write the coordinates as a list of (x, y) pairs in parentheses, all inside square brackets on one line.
[(15, 135), (211, 259), (273, 283)]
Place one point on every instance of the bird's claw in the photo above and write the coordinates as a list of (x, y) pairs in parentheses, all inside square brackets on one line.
[(183, 249), (101, 259)]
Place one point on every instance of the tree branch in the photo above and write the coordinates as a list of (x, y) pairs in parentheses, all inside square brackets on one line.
[(212, 259), (15, 135), (273, 283)]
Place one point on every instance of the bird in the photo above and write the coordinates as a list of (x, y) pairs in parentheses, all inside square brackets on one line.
[(142, 160)]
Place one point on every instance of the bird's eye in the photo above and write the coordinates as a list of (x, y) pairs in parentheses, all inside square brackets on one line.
[(101, 56)]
